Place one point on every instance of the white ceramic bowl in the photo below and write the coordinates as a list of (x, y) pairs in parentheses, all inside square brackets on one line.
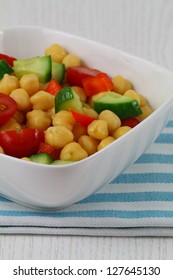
[(54, 187)]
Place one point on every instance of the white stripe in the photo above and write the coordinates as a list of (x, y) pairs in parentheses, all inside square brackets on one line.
[(124, 188), (123, 206), (12, 206), (157, 148), (167, 130), (149, 168), (126, 206)]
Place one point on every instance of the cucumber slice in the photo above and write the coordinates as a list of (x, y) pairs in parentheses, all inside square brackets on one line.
[(122, 106), (62, 162), (4, 68), (41, 66), (58, 71), (67, 99), (42, 158)]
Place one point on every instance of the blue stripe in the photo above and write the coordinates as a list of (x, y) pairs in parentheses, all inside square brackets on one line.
[(95, 214), (165, 138), (155, 158), (144, 178), (128, 197), (170, 123), (122, 197)]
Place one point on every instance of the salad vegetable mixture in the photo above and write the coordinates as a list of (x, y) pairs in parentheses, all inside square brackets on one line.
[(56, 110)]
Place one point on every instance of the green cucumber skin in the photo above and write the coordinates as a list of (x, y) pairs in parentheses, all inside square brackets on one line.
[(4, 68), (42, 158), (58, 71), (123, 106), (67, 99), (41, 66), (123, 110), (63, 96)]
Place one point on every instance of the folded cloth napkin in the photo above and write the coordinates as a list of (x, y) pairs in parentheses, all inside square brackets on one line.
[(139, 202)]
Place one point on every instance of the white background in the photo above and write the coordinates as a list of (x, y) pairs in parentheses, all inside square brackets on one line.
[(140, 27)]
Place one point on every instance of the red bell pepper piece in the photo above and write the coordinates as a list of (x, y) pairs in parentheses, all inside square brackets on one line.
[(76, 74), (81, 118), (130, 122), (53, 87), (48, 149), (7, 58), (99, 83)]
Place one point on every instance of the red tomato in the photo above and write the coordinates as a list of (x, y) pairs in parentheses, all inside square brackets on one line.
[(7, 58), (76, 74), (22, 143), (8, 108), (81, 118), (53, 87), (48, 149), (99, 83), (130, 122)]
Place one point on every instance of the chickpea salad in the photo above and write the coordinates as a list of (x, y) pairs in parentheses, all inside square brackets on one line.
[(54, 109)]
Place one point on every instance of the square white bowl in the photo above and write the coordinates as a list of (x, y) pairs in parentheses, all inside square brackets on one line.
[(54, 187)]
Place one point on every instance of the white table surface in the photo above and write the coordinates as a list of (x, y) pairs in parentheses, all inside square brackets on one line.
[(141, 27)]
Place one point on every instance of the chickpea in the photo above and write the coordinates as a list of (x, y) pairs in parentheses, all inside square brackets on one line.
[(113, 121), (30, 82), (132, 94), (105, 142), (73, 151), (98, 129), (22, 99), (8, 84), (88, 143), (38, 119), (43, 86), (58, 136), (81, 93), (51, 112), (143, 100), (146, 111), (121, 85), (71, 60), (57, 52), (91, 99), (42, 100), (64, 118), (26, 158), (120, 131), (1, 150), (12, 124), (90, 112), (79, 130)]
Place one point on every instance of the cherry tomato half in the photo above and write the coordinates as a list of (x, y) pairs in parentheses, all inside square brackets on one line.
[(22, 143), (8, 108)]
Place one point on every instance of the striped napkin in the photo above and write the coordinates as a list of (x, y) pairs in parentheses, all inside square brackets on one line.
[(137, 203)]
